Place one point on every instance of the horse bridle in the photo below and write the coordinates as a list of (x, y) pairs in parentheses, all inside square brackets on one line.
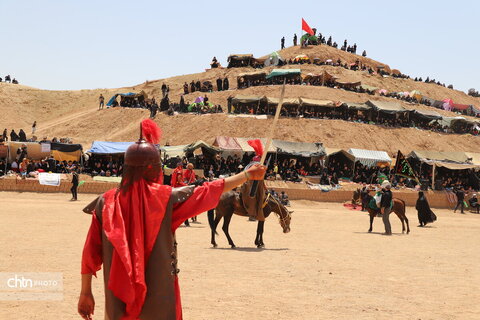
[(287, 215)]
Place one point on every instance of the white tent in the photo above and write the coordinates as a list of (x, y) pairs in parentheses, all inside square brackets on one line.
[(370, 158)]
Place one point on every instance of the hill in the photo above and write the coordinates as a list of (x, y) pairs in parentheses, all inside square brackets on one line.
[(74, 114)]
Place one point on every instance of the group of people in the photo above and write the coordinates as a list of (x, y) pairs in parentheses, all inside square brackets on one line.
[(358, 116), (9, 79), (206, 86)]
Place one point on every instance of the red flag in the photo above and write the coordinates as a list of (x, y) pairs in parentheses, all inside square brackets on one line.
[(306, 27)]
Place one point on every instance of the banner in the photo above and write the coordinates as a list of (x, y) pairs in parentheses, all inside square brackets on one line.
[(49, 179), (403, 168), (45, 147)]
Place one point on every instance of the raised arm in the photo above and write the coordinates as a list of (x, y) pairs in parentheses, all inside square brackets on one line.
[(206, 197)]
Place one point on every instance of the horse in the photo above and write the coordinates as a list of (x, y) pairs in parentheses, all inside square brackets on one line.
[(398, 208), (231, 203)]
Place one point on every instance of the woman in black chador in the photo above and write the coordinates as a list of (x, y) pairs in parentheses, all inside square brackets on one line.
[(425, 214)]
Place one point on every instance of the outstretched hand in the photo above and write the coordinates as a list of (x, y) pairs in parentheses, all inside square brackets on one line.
[(86, 305), (256, 172)]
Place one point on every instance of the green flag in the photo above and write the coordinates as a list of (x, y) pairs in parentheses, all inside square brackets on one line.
[(403, 168)]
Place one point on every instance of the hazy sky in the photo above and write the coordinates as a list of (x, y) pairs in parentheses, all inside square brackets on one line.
[(87, 44)]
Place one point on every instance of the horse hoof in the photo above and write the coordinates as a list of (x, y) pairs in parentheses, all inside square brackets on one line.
[(233, 246), (369, 231), (214, 245)]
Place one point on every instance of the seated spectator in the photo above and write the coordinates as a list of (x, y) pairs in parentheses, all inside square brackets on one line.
[(473, 201)]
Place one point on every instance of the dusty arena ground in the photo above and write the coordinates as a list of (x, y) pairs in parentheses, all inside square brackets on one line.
[(328, 267)]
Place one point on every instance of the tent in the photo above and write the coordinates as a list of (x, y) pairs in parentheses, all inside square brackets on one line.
[(247, 79), (425, 155), (426, 115), (227, 143), (240, 60), (273, 59), (131, 95), (174, 151), (368, 88), (416, 95), (283, 72), (66, 151), (387, 106), (109, 147), (347, 84), (358, 106), (203, 145), (319, 103), (449, 159), (243, 143), (239, 99), (286, 101), (370, 158), (330, 152), (302, 149)]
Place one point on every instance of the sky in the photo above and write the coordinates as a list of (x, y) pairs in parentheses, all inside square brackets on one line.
[(67, 44)]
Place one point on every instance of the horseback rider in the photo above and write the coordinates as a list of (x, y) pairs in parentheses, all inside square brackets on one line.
[(254, 205)]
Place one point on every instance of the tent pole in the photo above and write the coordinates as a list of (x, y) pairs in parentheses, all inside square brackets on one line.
[(433, 177)]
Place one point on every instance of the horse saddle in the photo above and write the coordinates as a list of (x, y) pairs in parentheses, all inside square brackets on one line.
[(253, 205)]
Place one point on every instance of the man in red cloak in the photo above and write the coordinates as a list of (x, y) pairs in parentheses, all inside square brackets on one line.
[(132, 234), (177, 176), (189, 175)]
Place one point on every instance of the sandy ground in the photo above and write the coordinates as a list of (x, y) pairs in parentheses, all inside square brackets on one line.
[(328, 267)]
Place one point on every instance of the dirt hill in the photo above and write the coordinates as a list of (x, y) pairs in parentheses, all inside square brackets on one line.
[(74, 113)]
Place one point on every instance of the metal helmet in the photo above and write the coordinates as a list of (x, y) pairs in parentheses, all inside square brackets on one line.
[(143, 152)]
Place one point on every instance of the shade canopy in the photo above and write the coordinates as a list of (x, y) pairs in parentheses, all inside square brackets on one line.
[(109, 147), (303, 149), (370, 158), (283, 72), (387, 106)]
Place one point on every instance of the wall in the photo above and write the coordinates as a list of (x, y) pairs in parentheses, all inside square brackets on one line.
[(437, 199)]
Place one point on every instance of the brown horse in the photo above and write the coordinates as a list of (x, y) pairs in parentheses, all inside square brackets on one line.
[(231, 203), (398, 208)]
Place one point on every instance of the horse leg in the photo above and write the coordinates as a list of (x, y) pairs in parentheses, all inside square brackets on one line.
[(259, 239), (372, 215), (226, 223), (214, 229), (406, 221)]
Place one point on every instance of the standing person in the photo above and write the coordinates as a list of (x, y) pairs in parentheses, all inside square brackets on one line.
[(226, 84), (74, 187), (101, 102), (460, 193), (425, 214), (282, 42), (4, 135), (22, 136), (189, 175), (386, 206), (295, 39), (132, 234), (177, 176), (34, 127)]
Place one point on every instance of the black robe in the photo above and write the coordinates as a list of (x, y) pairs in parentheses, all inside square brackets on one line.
[(425, 214)]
